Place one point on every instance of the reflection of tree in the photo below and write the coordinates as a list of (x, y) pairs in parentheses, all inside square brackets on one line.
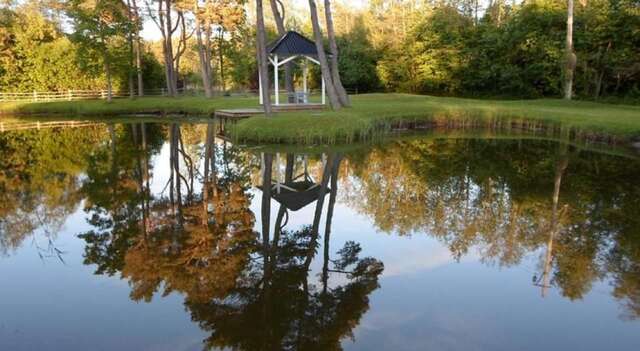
[(203, 259), (506, 199), (495, 196), (131, 224), (117, 196), (40, 182), (449, 189), (273, 306), (249, 293), (211, 239), (623, 263)]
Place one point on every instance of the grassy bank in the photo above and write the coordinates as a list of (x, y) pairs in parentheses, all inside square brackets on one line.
[(376, 113), (154, 105), (371, 115)]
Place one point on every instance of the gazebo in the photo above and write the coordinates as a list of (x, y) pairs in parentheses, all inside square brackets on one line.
[(287, 48)]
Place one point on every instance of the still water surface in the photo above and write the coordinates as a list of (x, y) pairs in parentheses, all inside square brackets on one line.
[(162, 237)]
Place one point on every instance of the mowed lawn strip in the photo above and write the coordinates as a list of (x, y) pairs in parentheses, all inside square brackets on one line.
[(373, 111), (370, 114)]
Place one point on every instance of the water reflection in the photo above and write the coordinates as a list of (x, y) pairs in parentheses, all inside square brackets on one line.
[(509, 199), (172, 209), (234, 280)]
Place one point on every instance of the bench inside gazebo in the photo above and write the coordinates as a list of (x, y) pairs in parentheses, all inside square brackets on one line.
[(289, 48)]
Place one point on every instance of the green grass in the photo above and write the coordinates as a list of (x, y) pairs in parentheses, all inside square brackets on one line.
[(371, 115), (375, 113), (188, 105)]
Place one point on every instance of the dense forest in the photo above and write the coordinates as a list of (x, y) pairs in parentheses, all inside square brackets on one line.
[(491, 48)]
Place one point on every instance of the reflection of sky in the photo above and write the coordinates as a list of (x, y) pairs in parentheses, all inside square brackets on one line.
[(427, 300), (48, 305)]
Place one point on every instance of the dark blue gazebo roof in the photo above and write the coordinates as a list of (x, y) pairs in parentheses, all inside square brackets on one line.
[(292, 44)]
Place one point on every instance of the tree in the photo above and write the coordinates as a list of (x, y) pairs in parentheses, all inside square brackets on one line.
[(570, 54), (334, 100), (98, 25), (204, 48), (263, 64), (279, 17), (333, 46), (165, 22), (358, 59), (135, 44), (36, 55)]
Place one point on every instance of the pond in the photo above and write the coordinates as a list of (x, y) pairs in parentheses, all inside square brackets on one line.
[(158, 236)]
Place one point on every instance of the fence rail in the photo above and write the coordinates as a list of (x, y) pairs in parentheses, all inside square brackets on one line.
[(70, 95), (44, 96)]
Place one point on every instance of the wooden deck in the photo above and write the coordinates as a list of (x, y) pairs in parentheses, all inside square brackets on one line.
[(248, 112)]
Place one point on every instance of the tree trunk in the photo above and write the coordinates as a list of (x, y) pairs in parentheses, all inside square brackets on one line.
[(599, 77), (333, 46), (561, 166), (263, 64), (172, 84), (175, 141), (267, 161), (207, 44), (327, 227), (315, 227), (279, 19), (600, 74), (182, 47), (570, 54), (138, 49), (107, 71), (130, 48), (221, 60), (322, 58), (205, 66)]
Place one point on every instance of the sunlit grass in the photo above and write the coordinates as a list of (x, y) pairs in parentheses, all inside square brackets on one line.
[(371, 115), (187, 105), (376, 113)]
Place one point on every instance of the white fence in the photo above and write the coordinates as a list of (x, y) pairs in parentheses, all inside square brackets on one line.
[(40, 96), (69, 95)]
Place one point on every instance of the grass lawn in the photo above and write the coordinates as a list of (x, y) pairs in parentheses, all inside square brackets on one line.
[(370, 115), (373, 112), (120, 106)]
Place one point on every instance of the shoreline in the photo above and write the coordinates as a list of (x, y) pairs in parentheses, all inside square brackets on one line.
[(371, 116)]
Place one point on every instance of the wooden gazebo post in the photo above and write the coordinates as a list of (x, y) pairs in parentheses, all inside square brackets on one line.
[(275, 79)]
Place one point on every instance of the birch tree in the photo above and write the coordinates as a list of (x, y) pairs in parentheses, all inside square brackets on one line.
[(570, 54)]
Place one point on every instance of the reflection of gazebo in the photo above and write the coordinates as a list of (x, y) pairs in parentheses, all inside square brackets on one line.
[(289, 47), (298, 192)]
